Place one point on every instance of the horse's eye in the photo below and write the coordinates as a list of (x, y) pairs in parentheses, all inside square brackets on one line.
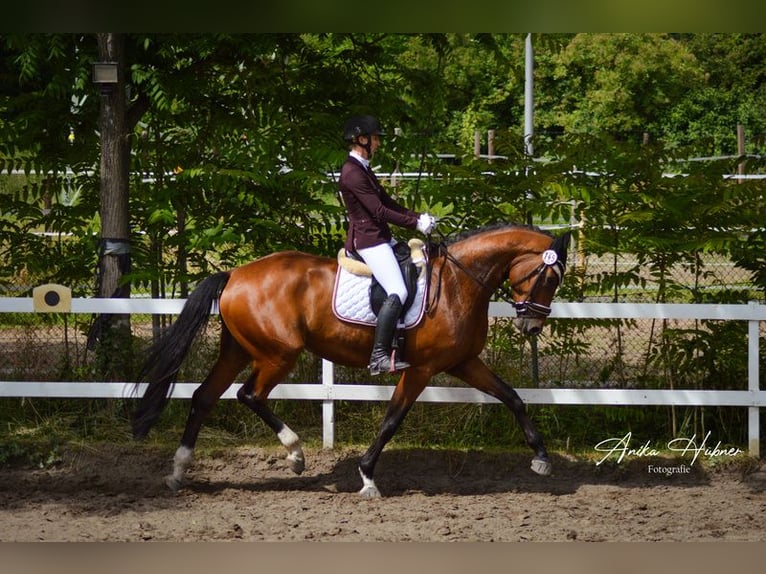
[(551, 280)]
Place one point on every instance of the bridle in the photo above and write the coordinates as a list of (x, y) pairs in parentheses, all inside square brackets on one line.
[(526, 309)]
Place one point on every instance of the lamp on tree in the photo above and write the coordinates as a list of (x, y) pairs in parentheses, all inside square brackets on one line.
[(105, 76)]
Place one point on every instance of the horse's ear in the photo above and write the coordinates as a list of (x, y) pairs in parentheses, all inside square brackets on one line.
[(561, 245)]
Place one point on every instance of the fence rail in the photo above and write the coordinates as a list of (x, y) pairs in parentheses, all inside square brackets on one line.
[(328, 391)]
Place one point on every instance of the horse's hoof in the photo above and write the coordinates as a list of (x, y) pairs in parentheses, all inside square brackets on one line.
[(173, 483), (541, 467), (297, 463), (369, 491)]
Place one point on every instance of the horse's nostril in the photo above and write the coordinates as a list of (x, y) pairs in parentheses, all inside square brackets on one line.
[(533, 330)]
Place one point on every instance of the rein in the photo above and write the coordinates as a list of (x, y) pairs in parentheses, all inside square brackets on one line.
[(525, 308)]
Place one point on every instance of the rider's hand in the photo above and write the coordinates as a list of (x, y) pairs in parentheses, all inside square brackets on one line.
[(426, 223)]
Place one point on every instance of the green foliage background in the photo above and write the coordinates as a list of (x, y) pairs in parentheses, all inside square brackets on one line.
[(238, 141)]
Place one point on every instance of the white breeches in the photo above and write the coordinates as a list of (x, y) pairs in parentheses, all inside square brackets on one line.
[(382, 261)]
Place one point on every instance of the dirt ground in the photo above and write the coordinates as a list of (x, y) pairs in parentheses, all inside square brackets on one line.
[(116, 493)]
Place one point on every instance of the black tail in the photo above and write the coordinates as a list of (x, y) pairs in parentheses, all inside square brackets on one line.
[(165, 357)]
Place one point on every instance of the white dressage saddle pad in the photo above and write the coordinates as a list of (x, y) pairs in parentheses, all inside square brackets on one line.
[(351, 296)]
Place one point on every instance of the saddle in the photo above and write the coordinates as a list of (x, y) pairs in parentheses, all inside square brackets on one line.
[(357, 297), (407, 254)]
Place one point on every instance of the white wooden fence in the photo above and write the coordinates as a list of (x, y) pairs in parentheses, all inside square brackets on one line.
[(327, 391)]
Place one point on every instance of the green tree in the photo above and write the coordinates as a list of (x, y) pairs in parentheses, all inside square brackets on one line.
[(732, 91), (620, 84)]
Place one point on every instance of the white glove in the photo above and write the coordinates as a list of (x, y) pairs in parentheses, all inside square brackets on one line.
[(426, 223)]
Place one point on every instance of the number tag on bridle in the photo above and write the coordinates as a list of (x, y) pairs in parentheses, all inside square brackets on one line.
[(550, 257)]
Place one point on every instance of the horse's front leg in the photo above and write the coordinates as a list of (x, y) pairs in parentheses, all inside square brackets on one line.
[(478, 375), (410, 385)]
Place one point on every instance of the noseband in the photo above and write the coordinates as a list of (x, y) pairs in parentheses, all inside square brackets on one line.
[(528, 309)]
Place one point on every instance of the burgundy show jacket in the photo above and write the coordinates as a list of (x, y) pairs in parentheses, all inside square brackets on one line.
[(370, 209)]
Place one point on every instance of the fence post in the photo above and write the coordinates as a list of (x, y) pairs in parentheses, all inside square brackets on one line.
[(753, 385), (328, 407), (741, 152), (397, 167), (490, 145)]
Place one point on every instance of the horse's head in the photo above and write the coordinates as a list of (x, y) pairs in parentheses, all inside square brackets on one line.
[(534, 279)]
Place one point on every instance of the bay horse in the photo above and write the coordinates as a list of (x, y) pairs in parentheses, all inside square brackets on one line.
[(276, 306)]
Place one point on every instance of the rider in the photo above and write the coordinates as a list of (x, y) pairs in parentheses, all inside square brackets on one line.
[(370, 209)]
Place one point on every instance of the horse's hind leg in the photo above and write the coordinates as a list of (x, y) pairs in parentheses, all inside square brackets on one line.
[(477, 374), (231, 360), (254, 393)]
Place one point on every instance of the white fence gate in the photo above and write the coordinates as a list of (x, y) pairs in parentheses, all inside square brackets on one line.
[(327, 391)]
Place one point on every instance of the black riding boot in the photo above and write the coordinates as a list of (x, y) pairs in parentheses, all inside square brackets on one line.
[(381, 358)]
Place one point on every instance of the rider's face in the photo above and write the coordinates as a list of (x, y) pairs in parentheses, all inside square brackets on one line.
[(374, 143)]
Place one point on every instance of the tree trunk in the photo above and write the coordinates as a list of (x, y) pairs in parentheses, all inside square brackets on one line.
[(114, 255)]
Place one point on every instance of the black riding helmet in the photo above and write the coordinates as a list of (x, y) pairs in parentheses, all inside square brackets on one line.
[(361, 126)]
